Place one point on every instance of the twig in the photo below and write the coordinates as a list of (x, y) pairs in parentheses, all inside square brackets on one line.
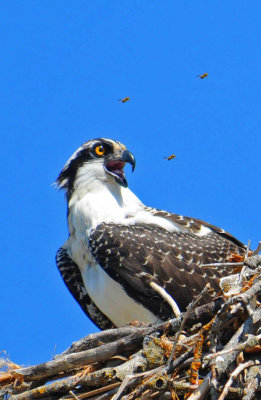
[(213, 384), (97, 339), (202, 390), (234, 374), (247, 250), (123, 386), (225, 312), (250, 342), (129, 377), (178, 362), (248, 327), (140, 390), (222, 364), (183, 385), (228, 264), (205, 312), (236, 264), (257, 250), (189, 309), (73, 395), (252, 383), (95, 391), (105, 396), (248, 295), (167, 298)]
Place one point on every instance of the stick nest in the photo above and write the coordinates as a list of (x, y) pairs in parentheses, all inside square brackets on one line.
[(209, 352)]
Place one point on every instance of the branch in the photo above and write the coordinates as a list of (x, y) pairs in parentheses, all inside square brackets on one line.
[(234, 374), (72, 361)]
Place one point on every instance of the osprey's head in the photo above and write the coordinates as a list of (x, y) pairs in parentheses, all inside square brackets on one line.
[(98, 159)]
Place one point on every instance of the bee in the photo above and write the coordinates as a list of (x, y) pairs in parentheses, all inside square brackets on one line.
[(124, 100), (170, 157), (202, 76)]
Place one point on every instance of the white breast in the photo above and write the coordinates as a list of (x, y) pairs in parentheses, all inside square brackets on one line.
[(112, 300)]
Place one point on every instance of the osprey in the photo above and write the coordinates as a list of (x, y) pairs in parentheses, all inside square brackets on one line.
[(117, 246)]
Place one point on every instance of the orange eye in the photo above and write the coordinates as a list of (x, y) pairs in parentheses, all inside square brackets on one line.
[(100, 150)]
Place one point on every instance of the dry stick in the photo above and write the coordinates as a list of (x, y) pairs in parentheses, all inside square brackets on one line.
[(163, 396), (248, 295), (107, 396), (202, 390), (98, 338), (189, 309), (248, 327), (178, 386), (247, 250), (129, 377), (178, 363), (123, 386), (250, 342), (257, 250), (93, 379), (95, 392), (111, 335), (241, 298), (228, 264), (167, 298), (235, 264), (74, 395), (151, 383), (205, 312), (234, 374), (83, 358), (234, 392), (165, 380), (249, 307), (251, 383), (214, 384)]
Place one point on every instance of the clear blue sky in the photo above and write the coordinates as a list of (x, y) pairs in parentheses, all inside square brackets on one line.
[(64, 65)]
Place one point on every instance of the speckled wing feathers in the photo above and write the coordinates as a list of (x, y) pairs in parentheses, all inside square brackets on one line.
[(135, 255), (193, 224), (73, 280)]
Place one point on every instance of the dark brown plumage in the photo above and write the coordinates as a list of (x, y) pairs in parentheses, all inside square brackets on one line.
[(137, 255)]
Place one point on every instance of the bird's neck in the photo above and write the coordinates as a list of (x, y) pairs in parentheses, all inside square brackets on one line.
[(100, 202)]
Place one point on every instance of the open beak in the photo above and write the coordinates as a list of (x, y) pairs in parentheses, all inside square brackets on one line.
[(115, 166)]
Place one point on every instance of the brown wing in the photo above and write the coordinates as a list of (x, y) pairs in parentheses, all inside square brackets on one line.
[(194, 224), (137, 254), (73, 280)]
